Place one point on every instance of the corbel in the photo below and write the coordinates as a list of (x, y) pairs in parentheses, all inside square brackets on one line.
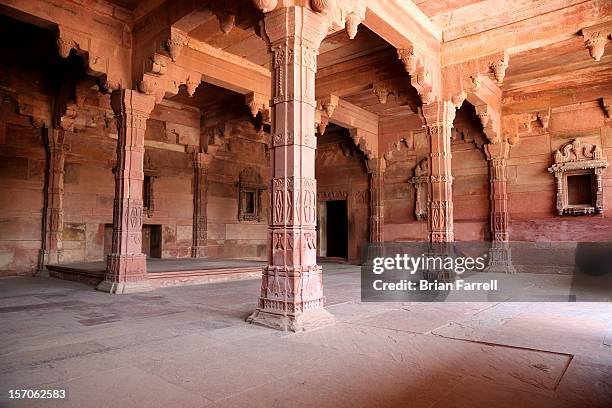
[(258, 103), (174, 45), (364, 143), (88, 47), (499, 66), (382, 90), (192, 81), (328, 104), (36, 108), (265, 5), (66, 121), (420, 78), (489, 121), (157, 64), (544, 118), (515, 124), (596, 38), (227, 21), (321, 120)]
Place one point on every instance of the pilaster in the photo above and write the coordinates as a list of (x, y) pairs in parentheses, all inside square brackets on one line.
[(292, 285), (126, 267), (376, 170), (499, 254), (57, 149), (200, 192), (439, 118)]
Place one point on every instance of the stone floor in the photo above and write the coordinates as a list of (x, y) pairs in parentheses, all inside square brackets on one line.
[(155, 265), (190, 347)]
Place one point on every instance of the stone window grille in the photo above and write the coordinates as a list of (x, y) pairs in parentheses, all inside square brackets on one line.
[(578, 170), (250, 193)]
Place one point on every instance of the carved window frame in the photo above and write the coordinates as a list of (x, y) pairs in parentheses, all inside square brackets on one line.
[(578, 158), (250, 182)]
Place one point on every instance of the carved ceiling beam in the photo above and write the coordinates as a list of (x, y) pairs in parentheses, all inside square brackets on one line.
[(596, 38), (181, 60), (417, 39), (362, 124), (518, 36)]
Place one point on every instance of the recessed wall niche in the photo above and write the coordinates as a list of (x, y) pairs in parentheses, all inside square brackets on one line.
[(250, 191), (578, 172)]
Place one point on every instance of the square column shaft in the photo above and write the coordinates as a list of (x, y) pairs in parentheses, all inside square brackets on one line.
[(126, 267), (292, 285)]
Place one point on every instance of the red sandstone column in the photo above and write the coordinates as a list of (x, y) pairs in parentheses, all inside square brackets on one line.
[(200, 185), (55, 196), (500, 259), (126, 267), (292, 286), (376, 169), (439, 118)]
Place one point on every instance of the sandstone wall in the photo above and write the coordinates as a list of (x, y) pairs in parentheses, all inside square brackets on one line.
[(237, 145), (341, 175), (531, 188)]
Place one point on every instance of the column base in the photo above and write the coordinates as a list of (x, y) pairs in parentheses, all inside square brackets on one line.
[(121, 288), (500, 268), (500, 259), (310, 320)]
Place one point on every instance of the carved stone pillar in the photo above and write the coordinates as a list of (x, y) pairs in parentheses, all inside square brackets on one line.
[(126, 267), (376, 169), (499, 254), (292, 285), (200, 188), (439, 118), (55, 196)]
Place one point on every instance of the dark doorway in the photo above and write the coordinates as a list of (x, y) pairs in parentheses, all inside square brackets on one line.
[(337, 229), (151, 241)]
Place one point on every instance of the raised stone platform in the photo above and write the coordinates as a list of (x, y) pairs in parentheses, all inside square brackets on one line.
[(167, 272)]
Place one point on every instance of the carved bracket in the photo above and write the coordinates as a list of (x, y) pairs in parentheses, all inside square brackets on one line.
[(596, 38), (516, 124), (98, 57), (420, 78), (324, 111), (258, 103)]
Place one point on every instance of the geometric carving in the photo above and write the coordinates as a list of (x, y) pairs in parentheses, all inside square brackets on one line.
[(575, 159), (421, 185)]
